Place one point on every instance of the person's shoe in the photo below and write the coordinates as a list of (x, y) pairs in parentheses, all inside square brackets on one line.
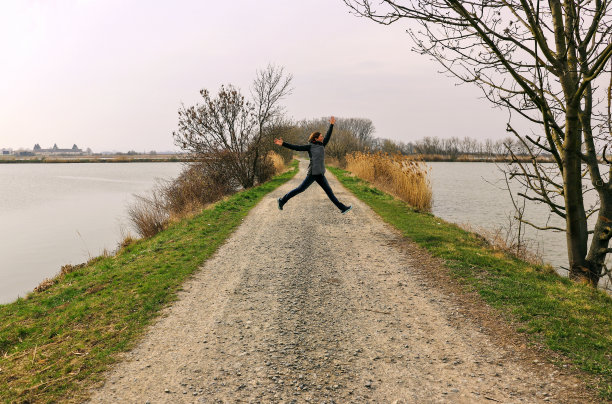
[(280, 204), (347, 209)]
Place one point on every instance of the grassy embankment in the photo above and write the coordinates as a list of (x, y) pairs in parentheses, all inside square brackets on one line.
[(55, 344), (571, 319)]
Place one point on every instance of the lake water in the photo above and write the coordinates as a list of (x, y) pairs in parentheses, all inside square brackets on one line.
[(57, 214), (475, 194)]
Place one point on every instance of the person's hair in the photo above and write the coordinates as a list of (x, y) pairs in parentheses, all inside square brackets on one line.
[(313, 136)]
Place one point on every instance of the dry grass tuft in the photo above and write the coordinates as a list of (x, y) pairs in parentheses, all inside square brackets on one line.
[(66, 269), (46, 284), (505, 239), (277, 162), (400, 175), (127, 241)]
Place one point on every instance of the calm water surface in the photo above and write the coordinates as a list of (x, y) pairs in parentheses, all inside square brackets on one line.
[(475, 194), (57, 214)]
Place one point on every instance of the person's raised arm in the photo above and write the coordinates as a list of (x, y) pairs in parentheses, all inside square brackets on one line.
[(332, 121), (281, 142)]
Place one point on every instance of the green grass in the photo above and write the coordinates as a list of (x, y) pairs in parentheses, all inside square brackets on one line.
[(55, 344), (569, 318)]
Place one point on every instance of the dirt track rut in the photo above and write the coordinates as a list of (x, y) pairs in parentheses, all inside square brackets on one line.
[(309, 305)]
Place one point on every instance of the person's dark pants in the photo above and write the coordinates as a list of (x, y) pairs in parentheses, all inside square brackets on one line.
[(322, 181)]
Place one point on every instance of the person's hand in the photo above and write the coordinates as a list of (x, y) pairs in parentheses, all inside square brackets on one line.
[(332, 120), (278, 141)]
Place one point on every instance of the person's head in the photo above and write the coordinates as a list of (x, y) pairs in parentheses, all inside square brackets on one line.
[(315, 136)]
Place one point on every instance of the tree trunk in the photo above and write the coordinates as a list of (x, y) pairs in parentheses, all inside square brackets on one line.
[(576, 223), (601, 237)]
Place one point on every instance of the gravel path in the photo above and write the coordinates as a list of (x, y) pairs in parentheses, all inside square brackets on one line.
[(309, 305)]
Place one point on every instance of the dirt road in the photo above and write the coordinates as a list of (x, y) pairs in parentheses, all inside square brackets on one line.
[(309, 305)]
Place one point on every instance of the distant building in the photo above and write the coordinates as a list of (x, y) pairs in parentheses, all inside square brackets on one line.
[(56, 150), (6, 152)]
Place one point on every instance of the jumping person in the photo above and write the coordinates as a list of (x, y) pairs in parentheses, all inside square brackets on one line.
[(316, 168)]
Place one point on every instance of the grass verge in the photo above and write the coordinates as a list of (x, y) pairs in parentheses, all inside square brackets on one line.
[(55, 344), (571, 319)]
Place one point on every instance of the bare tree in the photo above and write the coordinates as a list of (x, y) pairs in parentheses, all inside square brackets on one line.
[(343, 142), (362, 128), (350, 134), (226, 132), (408, 148), (469, 145), (429, 145), (488, 147), (219, 133), (270, 86), (545, 62), (285, 129), (498, 148)]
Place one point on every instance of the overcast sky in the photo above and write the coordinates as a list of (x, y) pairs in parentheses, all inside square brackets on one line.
[(111, 75)]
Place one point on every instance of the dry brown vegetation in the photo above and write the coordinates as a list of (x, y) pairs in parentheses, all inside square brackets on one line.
[(402, 176), (148, 214), (505, 239), (66, 269), (196, 187), (276, 161)]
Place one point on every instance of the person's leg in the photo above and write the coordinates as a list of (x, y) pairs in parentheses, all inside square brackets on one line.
[(322, 181), (305, 184)]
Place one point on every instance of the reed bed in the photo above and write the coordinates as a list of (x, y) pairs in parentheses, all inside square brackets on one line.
[(400, 175), (277, 161)]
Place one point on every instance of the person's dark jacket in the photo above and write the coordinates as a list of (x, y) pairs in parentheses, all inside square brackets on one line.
[(316, 152)]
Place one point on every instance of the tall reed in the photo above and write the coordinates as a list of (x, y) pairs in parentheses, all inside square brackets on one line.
[(277, 161), (400, 175)]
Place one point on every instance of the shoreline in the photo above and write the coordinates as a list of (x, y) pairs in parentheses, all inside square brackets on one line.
[(110, 159)]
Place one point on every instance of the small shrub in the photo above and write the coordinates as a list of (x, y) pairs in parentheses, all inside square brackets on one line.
[(195, 187), (265, 170), (271, 164), (198, 185), (149, 214)]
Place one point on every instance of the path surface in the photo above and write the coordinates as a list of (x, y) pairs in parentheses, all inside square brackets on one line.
[(309, 305)]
